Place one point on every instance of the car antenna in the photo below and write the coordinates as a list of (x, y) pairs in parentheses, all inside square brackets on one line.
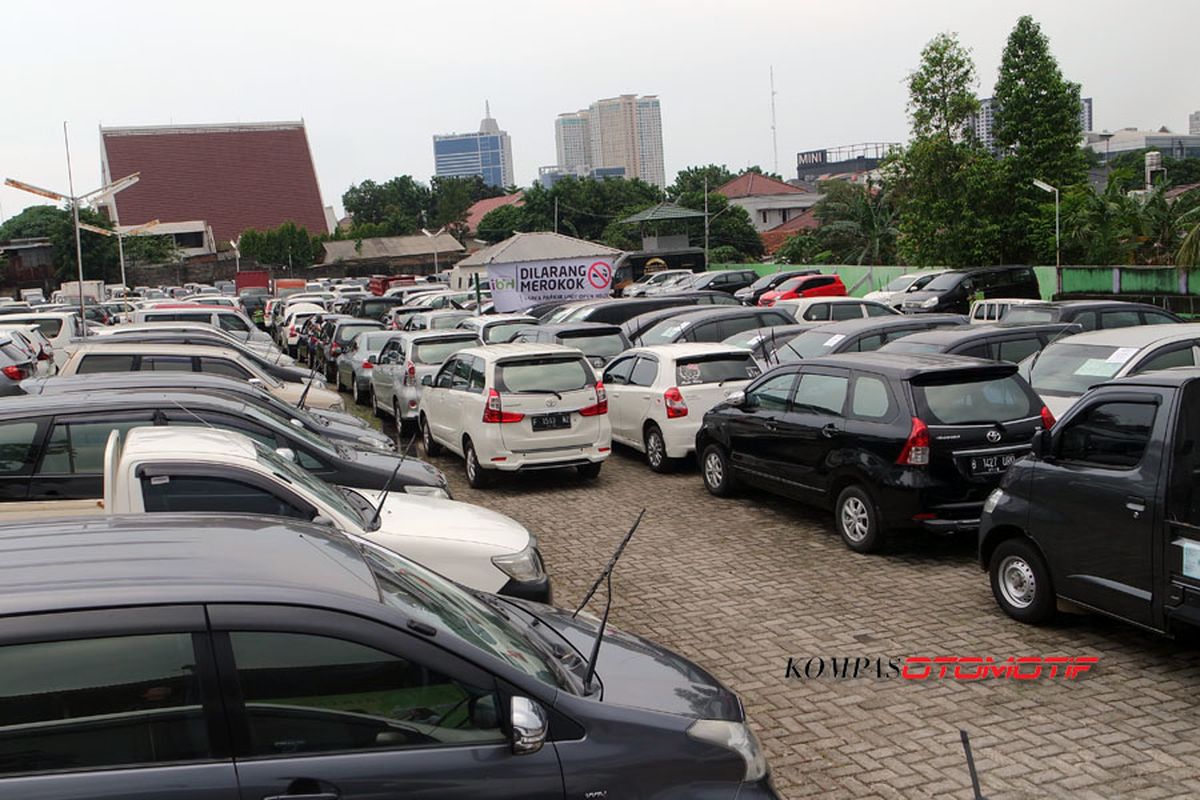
[(187, 410), (966, 743), (387, 487), (311, 377), (605, 576)]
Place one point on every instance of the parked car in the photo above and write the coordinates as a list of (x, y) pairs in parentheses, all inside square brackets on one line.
[(766, 283), (657, 396), (372, 307), (614, 312), (892, 294), (1004, 342), (185, 334), (712, 324), (1092, 315), (291, 326), (356, 362), (833, 309), (722, 280), (435, 320), (988, 312), (17, 363), (763, 342), (513, 407), (37, 346), (134, 357), (953, 290), (373, 673), (338, 427), (309, 344), (406, 359), (860, 335), (335, 338), (804, 286), (1063, 371), (63, 436), (59, 328), (634, 327), (886, 440), (227, 319), (651, 280), (1104, 513), (397, 315), (599, 342), (496, 328)]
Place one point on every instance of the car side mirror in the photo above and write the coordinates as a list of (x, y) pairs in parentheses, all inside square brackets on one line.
[(286, 453), (255, 382), (427, 380), (295, 423), (320, 519), (1041, 444), (528, 726), (737, 399)]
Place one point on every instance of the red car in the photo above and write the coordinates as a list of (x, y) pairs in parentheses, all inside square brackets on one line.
[(805, 286)]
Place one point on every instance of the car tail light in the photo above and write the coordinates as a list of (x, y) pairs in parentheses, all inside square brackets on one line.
[(492, 412), (601, 404), (367, 364), (44, 354), (335, 349), (1047, 418), (15, 373), (292, 331), (916, 449), (676, 406), (410, 374)]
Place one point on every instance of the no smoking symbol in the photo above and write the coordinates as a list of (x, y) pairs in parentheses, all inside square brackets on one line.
[(599, 275)]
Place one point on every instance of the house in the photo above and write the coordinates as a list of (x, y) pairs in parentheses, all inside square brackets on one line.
[(479, 210), (410, 254), (802, 222), (768, 201)]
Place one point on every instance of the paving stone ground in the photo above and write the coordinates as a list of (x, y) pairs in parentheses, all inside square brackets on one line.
[(740, 585)]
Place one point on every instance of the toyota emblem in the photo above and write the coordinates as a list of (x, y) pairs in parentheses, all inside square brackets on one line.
[(551, 402), (993, 436)]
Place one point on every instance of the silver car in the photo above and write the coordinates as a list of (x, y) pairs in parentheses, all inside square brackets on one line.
[(355, 363), (405, 359), (496, 328)]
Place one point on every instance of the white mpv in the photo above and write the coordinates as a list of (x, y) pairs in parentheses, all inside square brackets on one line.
[(511, 407)]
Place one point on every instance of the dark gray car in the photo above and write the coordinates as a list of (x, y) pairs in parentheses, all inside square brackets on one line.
[(16, 364), (224, 657)]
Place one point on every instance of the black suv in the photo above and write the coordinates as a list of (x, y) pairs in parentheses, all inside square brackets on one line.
[(1091, 315), (860, 335), (1001, 342), (952, 292), (749, 296), (886, 440), (711, 324), (724, 280)]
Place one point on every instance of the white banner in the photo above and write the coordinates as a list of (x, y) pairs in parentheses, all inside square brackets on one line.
[(518, 286)]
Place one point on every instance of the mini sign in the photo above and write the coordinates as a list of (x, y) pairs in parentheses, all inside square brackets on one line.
[(518, 286)]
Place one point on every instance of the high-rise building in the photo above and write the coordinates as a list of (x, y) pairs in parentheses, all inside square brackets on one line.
[(487, 153), (1194, 123), (617, 135), (983, 122)]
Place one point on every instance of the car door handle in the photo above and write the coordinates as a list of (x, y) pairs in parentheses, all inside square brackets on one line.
[(829, 431), (1135, 504)]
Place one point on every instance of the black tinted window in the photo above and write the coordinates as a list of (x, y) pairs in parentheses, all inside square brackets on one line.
[(93, 703), (821, 394), (975, 402), (1017, 350), (1119, 319), (773, 393), (76, 447), (100, 362), (840, 311), (1176, 357), (818, 312), (16, 447), (1111, 435), (715, 369), (166, 364), (618, 373), (201, 493), (223, 367), (644, 372)]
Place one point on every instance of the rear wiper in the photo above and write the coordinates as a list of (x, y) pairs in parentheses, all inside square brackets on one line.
[(541, 391)]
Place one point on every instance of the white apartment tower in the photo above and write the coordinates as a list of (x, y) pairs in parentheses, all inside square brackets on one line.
[(617, 132), (1194, 123), (573, 142)]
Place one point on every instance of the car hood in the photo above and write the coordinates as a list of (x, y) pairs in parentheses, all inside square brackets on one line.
[(916, 298), (412, 518), (638, 673), (412, 472)]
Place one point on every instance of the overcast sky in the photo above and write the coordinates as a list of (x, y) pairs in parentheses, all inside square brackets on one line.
[(374, 81)]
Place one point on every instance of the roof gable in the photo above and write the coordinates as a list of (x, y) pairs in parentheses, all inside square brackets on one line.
[(479, 210), (752, 184)]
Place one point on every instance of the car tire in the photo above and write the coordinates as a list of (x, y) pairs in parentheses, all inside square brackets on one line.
[(1021, 582), (432, 448), (716, 472), (399, 420), (656, 449), (590, 471), (357, 394), (375, 404), (477, 476), (857, 520)]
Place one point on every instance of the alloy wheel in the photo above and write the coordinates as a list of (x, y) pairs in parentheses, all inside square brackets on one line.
[(856, 520)]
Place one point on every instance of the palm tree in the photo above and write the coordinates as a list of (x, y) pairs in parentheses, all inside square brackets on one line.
[(859, 223), (1189, 249)]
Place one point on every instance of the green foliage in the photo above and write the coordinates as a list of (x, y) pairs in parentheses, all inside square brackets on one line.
[(32, 223), (500, 223), (760, 171), (585, 206), (1037, 129), (692, 179), (1189, 249), (100, 258), (859, 224), (150, 250), (728, 225), (402, 206), (287, 245), (724, 254), (1180, 171), (804, 247), (942, 90)]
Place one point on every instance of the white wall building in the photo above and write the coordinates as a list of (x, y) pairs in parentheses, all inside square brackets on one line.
[(1194, 123), (616, 133)]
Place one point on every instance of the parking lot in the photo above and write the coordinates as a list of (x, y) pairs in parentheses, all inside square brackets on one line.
[(742, 585)]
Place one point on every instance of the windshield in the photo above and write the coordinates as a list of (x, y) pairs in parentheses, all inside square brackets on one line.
[(1025, 315), (271, 421), (444, 321), (346, 333), (406, 585), (373, 308), (503, 331), (666, 332), (595, 344), (947, 280), (550, 374), (764, 281), (809, 345), (438, 350), (899, 284), (1072, 368), (974, 402), (373, 341), (290, 472)]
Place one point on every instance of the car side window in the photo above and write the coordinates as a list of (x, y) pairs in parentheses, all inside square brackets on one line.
[(877, 310), (1156, 318), (817, 312), (476, 382), (445, 375), (101, 703), (774, 393), (1119, 319), (872, 400), (94, 363), (1108, 435), (305, 693), (224, 368), (1178, 356), (78, 447), (232, 322), (618, 372), (821, 394), (18, 447), (875, 341), (166, 364), (1017, 350), (841, 311), (1086, 320), (644, 372), (461, 377), (200, 493)]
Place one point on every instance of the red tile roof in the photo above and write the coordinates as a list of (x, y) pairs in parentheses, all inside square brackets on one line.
[(233, 176), (478, 211), (774, 238), (751, 184)]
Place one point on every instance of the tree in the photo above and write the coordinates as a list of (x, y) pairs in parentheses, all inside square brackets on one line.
[(100, 259), (941, 91), (1037, 130), (804, 247), (289, 245), (396, 205), (500, 223), (150, 250), (451, 198), (1189, 248), (32, 223), (760, 171), (692, 179), (1131, 164), (859, 224), (729, 225)]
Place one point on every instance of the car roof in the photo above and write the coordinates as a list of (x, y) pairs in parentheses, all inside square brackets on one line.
[(963, 333), (139, 380), (1093, 303), (804, 302), (688, 350), (358, 321), (1139, 336), (441, 333), (1173, 377), (196, 443), (497, 352), (559, 328), (905, 365), (851, 327), (706, 312), (98, 398), (141, 559), (116, 343)]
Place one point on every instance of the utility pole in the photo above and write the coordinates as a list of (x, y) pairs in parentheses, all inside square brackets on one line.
[(556, 215), (706, 222), (78, 239), (774, 137)]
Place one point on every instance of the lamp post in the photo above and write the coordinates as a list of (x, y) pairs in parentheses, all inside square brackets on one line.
[(236, 244), (138, 231), (1045, 187), (97, 194), (434, 236)]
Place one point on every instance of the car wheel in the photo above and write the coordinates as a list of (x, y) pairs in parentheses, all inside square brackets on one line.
[(656, 449), (396, 415), (1021, 582), (715, 470), (858, 520), (477, 477), (590, 471), (355, 393), (432, 448), (375, 404)]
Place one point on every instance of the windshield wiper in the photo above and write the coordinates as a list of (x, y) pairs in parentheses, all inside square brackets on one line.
[(374, 523), (540, 391)]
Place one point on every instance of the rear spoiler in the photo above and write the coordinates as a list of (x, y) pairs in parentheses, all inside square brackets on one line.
[(959, 374)]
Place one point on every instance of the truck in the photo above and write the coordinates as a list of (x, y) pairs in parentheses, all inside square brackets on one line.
[(93, 291), (200, 470), (379, 284), (33, 296), (252, 279), (1104, 514), (288, 286)]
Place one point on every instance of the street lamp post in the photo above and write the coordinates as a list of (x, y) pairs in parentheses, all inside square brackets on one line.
[(434, 236), (138, 231), (1045, 187)]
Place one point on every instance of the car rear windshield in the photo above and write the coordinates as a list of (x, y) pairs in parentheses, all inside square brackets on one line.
[(503, 331), (548, 374), (373, 308), (902, 346), (715, 369), (947, 280), (595, 344), (974, 402), (438, 350), (48, 327), (1026, 315), (346, 333), (444, 321), (1071, 369)]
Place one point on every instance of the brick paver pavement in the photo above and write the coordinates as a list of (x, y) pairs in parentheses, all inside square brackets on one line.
[(740, 585)]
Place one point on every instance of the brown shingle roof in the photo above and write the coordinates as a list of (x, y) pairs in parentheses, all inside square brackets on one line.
[(478, 211), (751, 184), (234, 176), (774, 238)]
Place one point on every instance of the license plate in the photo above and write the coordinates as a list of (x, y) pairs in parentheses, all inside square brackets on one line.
[(551, 422), (991, 465)]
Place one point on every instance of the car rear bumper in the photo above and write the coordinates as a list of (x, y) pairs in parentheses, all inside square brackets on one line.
[(548, 459), (929, 509), (679, 435)]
